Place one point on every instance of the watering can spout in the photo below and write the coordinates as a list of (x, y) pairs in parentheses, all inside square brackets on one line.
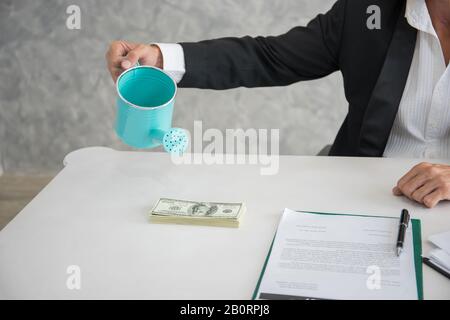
[(174, 140)]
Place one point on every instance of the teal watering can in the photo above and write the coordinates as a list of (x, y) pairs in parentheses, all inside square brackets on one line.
[(146, 96)]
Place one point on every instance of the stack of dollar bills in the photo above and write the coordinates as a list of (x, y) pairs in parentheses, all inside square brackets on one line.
[(199, 213)]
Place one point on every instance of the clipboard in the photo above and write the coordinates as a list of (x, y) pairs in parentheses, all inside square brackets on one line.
[(417, 243)]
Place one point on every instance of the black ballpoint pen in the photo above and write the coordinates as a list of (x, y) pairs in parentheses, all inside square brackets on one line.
[(404, 221)]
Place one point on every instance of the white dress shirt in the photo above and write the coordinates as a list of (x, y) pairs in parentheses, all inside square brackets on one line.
[(422, 125), (173, 60)]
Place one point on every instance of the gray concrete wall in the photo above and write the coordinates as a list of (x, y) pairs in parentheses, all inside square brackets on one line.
[(56, 94)]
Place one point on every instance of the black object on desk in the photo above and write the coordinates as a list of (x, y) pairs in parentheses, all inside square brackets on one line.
[(404, 221), (431, 264)]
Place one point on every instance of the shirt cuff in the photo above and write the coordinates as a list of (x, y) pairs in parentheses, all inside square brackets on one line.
[(173, 60)]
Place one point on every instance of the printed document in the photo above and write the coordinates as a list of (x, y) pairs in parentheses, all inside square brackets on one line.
[(327, 256)]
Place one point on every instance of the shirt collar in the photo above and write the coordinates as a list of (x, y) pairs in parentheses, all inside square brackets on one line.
[(418, 16)]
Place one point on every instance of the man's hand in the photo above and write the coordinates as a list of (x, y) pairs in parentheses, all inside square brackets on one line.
[(123, 55), (425, 183)]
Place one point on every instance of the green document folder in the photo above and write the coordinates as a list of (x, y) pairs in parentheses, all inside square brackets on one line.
[(417, 242)]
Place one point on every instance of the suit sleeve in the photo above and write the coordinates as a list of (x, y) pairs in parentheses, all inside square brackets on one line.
[(303, 53)]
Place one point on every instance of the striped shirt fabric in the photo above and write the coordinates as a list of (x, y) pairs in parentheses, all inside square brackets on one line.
[(422, 125)]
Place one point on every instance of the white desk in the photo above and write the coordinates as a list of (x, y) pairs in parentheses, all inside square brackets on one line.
[(94, 215)]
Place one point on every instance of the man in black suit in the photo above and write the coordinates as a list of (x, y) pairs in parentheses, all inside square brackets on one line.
[(384, 65)]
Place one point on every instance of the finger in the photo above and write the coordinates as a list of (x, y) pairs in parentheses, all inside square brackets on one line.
[(115, 54), (112, 69), (396, 191), (412, 173), (408, 176), (115, 73), (413, 184), (432, 199), (424, 190), (134, 55), (117, 50)]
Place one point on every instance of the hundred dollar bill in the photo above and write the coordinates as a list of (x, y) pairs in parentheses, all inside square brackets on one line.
[(194, 212)]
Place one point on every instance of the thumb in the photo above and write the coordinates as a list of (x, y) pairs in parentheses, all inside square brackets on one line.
[(134, 56)]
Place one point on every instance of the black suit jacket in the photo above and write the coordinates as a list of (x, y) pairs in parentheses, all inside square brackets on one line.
[(374, 64)]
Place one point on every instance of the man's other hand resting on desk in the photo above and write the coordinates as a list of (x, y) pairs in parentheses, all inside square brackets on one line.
[(426, 183)]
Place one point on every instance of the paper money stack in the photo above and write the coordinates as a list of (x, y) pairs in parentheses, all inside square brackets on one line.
[(199, 213)]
